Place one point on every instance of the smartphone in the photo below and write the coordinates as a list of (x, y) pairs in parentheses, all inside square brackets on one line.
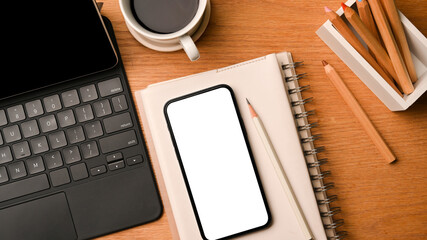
[(216, 161)]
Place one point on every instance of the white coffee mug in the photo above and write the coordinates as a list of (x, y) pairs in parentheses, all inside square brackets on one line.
[(182, 39)]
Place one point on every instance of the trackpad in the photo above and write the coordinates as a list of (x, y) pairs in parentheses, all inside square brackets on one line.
[(45, 218)]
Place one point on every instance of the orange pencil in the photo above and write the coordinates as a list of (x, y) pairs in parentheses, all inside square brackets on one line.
[(345, 31), (358, 112), (396, 24), (370, 40), (393, 50), (366, 16)]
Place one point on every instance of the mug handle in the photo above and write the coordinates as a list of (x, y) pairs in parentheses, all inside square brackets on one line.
[(189, 47)]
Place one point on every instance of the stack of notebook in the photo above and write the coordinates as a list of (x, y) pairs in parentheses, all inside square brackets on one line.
[(271, 84)]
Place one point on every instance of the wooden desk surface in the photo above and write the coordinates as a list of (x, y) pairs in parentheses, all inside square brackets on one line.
[(378, 200)]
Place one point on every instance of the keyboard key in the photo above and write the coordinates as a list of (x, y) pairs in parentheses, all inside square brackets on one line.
[(3, 175), (71, 154), (1, 140), (39, 145), (89, 149), (52, 103), (119, 103), (79, 171), (75, 134), (21, 150), (5, 155), (114, 157), (57, 139), (17, 170), (35, 165), (102, 108), (30, 128), (3, 119), (134, 160), (118, 141), (34, 108), (23, 187), (60, 177), (16, 113), (66, 118), (116, 165), (53, 160), (70, 98), (93, 129), (84, 113), (110, 87), (88, 93), (117, 122), (98, 170), (11, 134), (48, 123)]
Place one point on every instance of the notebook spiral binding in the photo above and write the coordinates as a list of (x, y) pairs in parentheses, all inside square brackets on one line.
[(318, 176)]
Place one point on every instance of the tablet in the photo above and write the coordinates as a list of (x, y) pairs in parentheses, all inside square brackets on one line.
[(49, 42)]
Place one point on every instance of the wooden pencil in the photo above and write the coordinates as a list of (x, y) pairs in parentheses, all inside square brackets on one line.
[(346, 32), (280, 172), (374, 45), (358, 112), (393, 50), (366, 16), (400, 36)]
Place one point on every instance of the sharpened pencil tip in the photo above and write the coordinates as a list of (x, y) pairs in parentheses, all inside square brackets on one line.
[(327, 9), (343, 6), (324, 63), (251, 109)]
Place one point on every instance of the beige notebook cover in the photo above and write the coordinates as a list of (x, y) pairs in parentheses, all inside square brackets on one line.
[(262, 81)]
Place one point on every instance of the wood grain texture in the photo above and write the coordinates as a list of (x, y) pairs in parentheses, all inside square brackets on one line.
[(378, 200)]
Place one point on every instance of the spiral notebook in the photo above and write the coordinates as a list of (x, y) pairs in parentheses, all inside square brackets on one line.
[(271, 83)]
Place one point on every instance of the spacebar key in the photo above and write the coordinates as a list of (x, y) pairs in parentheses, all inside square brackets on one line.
[(118, 141), (23, 187)]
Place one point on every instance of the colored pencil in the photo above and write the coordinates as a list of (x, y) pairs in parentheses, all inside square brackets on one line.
[(346, 32), (280, 172), (366, 16), (374, 45), (393, 50), (399, 34), (358, 112)]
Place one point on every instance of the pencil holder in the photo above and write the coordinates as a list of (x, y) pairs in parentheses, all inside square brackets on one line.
[(370, 77)]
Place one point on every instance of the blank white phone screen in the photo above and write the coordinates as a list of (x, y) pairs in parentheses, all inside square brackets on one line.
[(217, 165)]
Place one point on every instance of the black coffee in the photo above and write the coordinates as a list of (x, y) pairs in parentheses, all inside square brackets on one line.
[(164, 16)]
